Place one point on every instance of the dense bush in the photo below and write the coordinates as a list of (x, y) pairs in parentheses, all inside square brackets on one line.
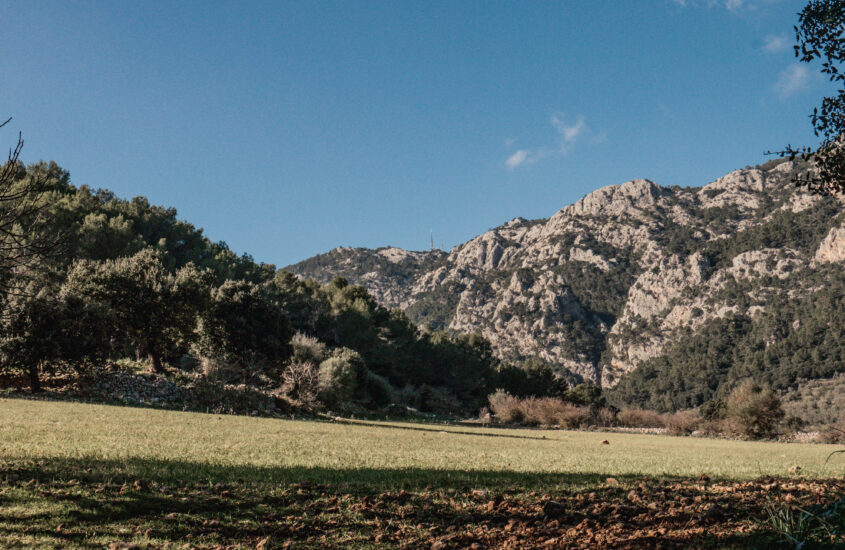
[(150, 309), (375, 389), (682, 422), (245, 324), (641, 418), (678, 423), (534, 377), (506, 408), (546, 411), (833, 434), (338, 376), (301, 383), (753, 411), (307, 348)]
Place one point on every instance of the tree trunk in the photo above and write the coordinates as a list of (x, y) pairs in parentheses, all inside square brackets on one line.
[(34, 382), (155, 361)]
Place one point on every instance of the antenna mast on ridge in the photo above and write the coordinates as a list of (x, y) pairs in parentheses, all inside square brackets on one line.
[(431, 231)]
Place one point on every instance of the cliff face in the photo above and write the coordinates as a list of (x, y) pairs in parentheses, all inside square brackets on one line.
[(612, 280)]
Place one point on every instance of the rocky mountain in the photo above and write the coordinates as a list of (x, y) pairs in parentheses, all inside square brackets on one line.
[(623, 276)]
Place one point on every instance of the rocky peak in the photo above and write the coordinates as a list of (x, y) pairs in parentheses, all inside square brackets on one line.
[(615, 279), (617, 200), (832, 248), (740, 188)]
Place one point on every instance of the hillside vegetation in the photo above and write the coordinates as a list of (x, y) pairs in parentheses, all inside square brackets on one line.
[(668, 297), (133, 288)]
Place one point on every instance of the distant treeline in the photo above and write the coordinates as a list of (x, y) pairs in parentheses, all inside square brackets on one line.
[(130, 280)]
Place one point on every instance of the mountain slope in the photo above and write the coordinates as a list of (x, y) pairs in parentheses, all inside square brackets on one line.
[(622, 277)]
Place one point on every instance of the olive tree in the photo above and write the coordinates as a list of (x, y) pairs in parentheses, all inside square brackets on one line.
[(244, 323), (151, 309), (41, 328)]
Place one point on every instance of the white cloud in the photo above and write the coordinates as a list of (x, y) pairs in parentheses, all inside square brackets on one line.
[(731, 5), (776, 43), (516, 159), (793, 79), (569, 133)]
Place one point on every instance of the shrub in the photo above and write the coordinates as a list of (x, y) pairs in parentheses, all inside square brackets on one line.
[(753, 411), (681, 422), (438, 400), (574, 416), (586, 394), (217, 397), (216, 369), (338, 376), (713, 409), (543, 411), (377, 389), (833, 434), (308, 349), (713, 427), (604, 416), (506, 408), (640, 418), (408, 396), (794, 423), (301, 383), (244, 323), (547, 411)]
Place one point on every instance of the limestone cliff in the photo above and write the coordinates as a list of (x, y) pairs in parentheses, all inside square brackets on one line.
[(612, 280)]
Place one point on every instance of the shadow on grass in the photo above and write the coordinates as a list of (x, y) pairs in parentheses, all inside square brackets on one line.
[(349, 479), (87, 502), (435, 428)]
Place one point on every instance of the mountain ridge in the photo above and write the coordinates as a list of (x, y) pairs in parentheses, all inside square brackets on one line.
[(616, 278)]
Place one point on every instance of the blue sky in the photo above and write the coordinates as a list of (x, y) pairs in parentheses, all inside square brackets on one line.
[(287, 129)]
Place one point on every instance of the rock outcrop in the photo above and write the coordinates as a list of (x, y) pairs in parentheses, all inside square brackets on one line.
[(612, 280)]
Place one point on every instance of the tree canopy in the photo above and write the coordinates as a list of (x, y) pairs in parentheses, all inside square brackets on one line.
[(819, 36)]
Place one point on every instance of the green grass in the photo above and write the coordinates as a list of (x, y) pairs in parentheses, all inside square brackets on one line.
[(67, 474), (205, 447)]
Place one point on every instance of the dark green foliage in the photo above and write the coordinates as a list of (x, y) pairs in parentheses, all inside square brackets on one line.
[(802, 231), (436, 308), (99, 226), (821, 25), (585, 394), (244, 324), (792, 339), (338, 376), (152, 310), (375, 389), (463, 363), (361, 261), (40, 329), (534, 377)]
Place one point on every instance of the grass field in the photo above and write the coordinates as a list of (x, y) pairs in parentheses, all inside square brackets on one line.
[(78, 475)]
